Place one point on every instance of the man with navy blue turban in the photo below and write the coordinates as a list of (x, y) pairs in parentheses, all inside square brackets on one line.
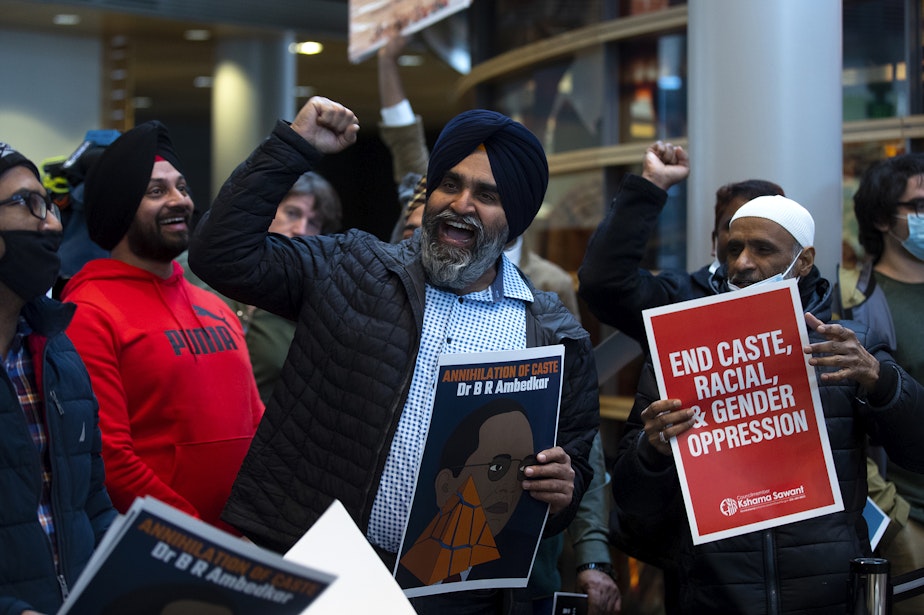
[(350, 415)]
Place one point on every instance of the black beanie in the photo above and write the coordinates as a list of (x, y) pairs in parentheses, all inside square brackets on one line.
[(116, 183), (517, 160), (10, 158)]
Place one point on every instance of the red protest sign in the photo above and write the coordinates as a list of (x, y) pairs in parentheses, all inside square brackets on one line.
[(758, 455)]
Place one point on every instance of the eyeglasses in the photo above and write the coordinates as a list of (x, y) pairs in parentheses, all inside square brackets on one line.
[(915, 204), (39, 204), (501, 464)]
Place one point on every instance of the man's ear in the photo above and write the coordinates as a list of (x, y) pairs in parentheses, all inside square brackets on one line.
[(885, 226), (805, 262), (444, 486)]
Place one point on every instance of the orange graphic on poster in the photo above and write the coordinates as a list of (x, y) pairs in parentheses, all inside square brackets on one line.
[(457, 539)]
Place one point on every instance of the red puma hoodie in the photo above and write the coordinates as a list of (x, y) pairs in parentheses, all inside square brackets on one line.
[(178, 404)]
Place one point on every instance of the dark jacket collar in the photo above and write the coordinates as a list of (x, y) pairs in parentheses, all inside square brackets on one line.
[(48, 317)]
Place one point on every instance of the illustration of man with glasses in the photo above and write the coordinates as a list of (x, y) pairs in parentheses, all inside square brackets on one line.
[(478, 488)]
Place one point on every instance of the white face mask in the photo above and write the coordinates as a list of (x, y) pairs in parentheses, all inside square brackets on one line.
[(774, 278), (915, 242)]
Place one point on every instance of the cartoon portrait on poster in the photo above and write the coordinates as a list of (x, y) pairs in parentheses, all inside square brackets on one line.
[(471, 523)]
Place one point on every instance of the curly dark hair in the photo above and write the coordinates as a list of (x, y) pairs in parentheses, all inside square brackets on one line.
[(876, 200)]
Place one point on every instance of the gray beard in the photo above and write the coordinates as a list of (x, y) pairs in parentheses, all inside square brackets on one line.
[(453, 268)]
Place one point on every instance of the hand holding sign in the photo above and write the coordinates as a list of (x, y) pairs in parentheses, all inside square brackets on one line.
[(842, 351), (664, 420), (747, 399), (551, 480)]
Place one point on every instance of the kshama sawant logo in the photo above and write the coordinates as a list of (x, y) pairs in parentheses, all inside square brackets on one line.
[(753, 501)]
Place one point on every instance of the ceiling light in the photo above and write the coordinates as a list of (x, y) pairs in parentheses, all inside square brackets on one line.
[(197, 35), (307, 48), (142, 102), (202, 81), (66, 19)]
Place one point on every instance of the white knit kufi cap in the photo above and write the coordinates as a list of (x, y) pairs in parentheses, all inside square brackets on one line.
[(785, 212)]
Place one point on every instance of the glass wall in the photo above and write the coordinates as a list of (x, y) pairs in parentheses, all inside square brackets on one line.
[(882, 80), (625, 92), (561, 102), (633, 90), (877, 54), (521, 22)]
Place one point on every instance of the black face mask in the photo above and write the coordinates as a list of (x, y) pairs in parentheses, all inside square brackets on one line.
[(30, 264)]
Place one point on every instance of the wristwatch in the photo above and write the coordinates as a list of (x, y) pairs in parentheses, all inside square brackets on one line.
[(603, 567)]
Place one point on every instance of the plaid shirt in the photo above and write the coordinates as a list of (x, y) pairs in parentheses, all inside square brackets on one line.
[(19, 367)]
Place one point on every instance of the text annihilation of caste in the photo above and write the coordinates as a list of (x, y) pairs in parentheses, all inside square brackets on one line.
[(497, 379), (228, 570), (734, 377)]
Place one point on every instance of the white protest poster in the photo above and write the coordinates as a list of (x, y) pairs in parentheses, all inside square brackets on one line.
[(364, 584), (371, 19), (758, 455)]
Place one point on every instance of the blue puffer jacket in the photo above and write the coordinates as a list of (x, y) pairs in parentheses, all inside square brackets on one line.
[(796, 568), (358, 303), (81, 507)]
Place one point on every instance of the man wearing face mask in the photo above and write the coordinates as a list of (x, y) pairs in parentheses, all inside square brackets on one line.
[(49, 436), (888, 294), (802, 566)]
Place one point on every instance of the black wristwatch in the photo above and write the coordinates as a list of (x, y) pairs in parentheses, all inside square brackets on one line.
[(601, 566)]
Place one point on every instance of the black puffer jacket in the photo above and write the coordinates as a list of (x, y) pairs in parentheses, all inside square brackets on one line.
[(359, 307), (796, 568), (614, 286)]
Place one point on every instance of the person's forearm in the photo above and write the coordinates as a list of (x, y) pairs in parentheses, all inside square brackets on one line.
[(231, 236), (391, 90), (408, 148), (612, 284)]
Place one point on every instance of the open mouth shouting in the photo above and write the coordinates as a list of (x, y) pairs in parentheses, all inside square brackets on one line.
[(458, 233)]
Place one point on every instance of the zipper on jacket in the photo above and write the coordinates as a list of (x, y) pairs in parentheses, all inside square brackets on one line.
[(57, 404), (773, 590), (63, 585), (54, 441)]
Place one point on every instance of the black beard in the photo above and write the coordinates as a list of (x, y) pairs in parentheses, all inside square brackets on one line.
[(149, 243), (452, 268)]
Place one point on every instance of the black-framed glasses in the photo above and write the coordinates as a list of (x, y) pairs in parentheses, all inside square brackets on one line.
[(916, 204), (39, 204), (501, 464)]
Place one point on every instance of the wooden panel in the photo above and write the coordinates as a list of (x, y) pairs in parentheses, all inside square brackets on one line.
[(615, 407)]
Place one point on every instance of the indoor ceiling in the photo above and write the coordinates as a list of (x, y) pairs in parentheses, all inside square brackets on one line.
[(164, 65)]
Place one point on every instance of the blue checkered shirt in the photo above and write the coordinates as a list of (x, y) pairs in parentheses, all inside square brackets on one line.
[(482, 321)]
